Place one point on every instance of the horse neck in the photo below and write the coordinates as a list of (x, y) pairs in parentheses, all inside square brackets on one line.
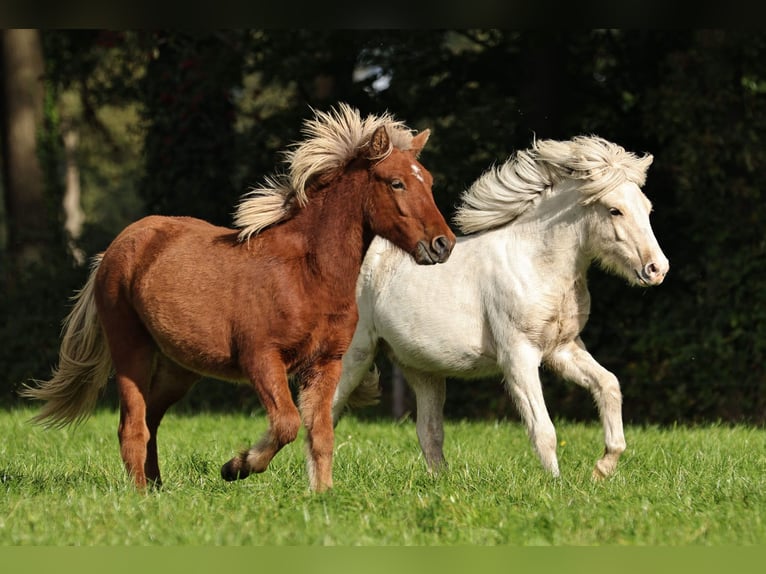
[(555, 232), (332, 230)]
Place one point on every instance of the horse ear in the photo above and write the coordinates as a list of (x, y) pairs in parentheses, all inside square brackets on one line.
[(379, 144), (419, 142)]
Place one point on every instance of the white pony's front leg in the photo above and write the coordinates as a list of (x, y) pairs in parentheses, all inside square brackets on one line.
[(522, 379), (575, 363)]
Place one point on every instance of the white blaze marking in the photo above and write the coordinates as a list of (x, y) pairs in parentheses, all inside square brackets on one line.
[(416, 173)]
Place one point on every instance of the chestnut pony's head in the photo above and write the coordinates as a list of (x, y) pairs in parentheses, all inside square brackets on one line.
[(380, 153), (400, 205)]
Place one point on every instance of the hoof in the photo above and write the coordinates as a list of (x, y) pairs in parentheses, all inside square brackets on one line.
[(600, 473), (233, 470), (437, 468)]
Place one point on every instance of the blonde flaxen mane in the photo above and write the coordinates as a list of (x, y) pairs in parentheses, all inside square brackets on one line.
[(503, 193), (332, 139)]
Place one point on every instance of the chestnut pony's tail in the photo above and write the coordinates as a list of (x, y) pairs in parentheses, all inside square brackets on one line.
[(84, 364)]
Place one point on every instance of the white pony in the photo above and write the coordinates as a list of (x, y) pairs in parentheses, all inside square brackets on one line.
[(513, 295)]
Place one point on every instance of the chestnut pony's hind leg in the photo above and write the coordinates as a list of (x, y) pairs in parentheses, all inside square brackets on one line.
[(170, 382), (269, 379), (132, 355), (133, 352)]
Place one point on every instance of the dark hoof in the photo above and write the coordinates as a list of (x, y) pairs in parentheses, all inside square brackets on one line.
[(233, 470)]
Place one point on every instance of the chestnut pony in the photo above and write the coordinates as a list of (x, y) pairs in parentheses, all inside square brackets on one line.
[(175, 298)]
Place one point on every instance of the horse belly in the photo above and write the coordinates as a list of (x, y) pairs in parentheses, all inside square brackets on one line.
[(437, 348), (189, 334)]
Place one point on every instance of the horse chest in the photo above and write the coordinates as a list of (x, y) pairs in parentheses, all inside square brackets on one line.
[(322, 336), (560, 317)]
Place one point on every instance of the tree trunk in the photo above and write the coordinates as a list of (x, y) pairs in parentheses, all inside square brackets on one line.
[(74, 217), (21, 117)]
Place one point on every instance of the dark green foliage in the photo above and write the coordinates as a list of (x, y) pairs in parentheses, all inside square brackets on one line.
[(32, 308), (691, 349), (189, 147)]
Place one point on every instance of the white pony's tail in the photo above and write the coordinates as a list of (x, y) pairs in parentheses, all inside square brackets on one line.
[(84, 364), (367, 393)]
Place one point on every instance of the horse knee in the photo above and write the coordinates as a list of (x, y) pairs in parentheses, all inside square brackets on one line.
[(285, 428), (610, 389), (133, 433)]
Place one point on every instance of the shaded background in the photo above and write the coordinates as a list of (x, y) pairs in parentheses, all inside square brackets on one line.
[(102, 127)]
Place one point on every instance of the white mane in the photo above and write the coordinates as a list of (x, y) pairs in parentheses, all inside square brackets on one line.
[(332, 140), (503, 193)]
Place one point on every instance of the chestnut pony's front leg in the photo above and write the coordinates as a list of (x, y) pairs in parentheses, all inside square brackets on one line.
[(269, 379), (318, 388)]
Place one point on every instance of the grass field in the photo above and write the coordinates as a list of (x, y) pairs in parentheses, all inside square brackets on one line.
[(675, 486)]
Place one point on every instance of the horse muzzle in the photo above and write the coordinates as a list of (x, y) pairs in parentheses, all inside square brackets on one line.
[(438, 251), (653, 273)]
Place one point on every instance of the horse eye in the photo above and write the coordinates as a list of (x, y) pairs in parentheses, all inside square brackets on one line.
[(398, 185), (614, 211)]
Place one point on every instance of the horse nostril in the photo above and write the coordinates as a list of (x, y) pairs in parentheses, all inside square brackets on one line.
[(653, 271), (441, 245)]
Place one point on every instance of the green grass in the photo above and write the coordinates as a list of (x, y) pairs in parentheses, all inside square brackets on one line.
[(679, 486)]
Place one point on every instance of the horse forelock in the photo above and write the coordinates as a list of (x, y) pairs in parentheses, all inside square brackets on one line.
[(504, 193), (331, 140), (334, 138)]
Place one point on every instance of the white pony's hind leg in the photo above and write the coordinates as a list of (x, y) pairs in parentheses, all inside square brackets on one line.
[(430, 394), (576, 364)]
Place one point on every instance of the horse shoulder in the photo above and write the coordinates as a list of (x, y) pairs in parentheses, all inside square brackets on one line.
[(526, 298)]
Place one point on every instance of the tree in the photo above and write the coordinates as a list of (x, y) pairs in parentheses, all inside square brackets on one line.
[(21, 116), (211, 113), (188, 107)]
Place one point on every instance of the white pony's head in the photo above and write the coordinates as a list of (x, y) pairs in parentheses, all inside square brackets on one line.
[(620, 236), (604, 182), (621, 239)]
